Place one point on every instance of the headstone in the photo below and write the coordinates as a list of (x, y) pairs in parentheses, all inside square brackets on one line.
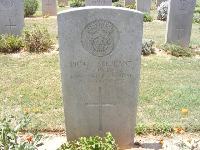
[(100, 64), (49, 7), (129, 2), (143, 5), (179, 22), (11, 17), (64, 2), (98, 2), (158, 2)]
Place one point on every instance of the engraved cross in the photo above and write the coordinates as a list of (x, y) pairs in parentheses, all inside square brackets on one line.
[(10, 26), (48, 4), (100, 105), (179, 32)]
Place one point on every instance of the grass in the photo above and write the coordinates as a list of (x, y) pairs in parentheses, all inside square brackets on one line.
[(33, 81), (167, 86), (29, 81)]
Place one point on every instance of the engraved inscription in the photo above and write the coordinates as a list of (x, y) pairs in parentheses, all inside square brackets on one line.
[(94, 2), (100, 37), (7, 3), (105, 71)]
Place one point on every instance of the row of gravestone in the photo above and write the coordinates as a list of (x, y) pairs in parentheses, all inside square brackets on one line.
[(179, 22), (100, 54), (49, 6)]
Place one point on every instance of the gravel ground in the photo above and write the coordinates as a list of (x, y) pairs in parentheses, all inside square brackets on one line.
[(150, 142)]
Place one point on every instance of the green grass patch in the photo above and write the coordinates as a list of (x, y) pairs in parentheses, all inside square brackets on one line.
[(155, 129), (30, 81), (178, 51)]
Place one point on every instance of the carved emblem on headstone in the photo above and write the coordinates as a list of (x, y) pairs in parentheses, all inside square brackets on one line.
[(7, 3), (183, 6), (100, 37)]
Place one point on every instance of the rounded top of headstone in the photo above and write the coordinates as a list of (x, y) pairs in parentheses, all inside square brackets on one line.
[(99, 8)]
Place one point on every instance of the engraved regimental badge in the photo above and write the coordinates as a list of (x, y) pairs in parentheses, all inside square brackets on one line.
[(183, 6), (100, 37), (7, 3)]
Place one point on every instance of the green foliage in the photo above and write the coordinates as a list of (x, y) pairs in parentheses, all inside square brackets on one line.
[(196, 17), (177, 51), (37, 39), (147, 47), (163, 129), (46, 16), (141, 129), (162, 11), (197, 11), (10, 43), (115, 0), (30, 7), (156, 129), (92, 143), (131, 6), (76, 3), (61, 5), (11, 127), (118, 4), (147, 17)]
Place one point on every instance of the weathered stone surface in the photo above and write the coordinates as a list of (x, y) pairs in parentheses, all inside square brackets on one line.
[(98, 2), (11, 17), (179, 22), (65, 2), (100, 64), (49, 7), (158, 2), (143, 5), (129, 2)]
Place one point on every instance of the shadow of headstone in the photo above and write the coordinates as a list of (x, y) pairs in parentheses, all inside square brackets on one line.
[(155, 146)]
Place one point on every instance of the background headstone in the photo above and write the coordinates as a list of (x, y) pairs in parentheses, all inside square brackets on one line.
[(179, 22), (129, 2), (11, 17), (158, 2), (100, 64), (98, 2), (49, 7), (65, 2), (143, 5)]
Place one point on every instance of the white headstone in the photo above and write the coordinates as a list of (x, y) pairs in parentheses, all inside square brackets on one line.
[(64, 2), (98, 2), (179, 22), (143, 5), (11, 17), (49, 7), (158, 2), (129, 2), (100, 68)]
